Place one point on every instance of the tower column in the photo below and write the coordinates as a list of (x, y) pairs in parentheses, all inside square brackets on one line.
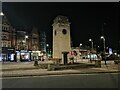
[(61, 38)]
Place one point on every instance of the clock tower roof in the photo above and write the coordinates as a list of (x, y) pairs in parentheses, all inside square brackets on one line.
[(61, 19)]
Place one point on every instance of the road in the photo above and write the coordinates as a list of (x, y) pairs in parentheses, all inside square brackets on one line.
[(106, 80)]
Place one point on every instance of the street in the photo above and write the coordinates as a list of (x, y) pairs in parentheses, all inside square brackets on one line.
[(104, 80)]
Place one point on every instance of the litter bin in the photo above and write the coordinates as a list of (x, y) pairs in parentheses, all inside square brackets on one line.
[(97, 63)]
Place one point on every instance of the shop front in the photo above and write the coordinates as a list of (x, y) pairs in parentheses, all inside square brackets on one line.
[(8, 54), (35, 55), (23, 55)]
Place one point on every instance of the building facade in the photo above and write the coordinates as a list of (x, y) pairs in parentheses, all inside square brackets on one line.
[(23, 52), (43, 41), (27, 45), (7, 40), (35, 44), (20, 45)]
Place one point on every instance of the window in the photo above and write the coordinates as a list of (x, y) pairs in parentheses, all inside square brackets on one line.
[(64, 31), (4, 35), (3, 28), (9, 44), (4, 44)]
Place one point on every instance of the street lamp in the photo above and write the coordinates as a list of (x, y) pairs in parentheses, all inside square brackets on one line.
[(103, 55), (47, 45), (90, 40), (91, 43), (102, 37), (26, 37), (80, 45), (1, 14)]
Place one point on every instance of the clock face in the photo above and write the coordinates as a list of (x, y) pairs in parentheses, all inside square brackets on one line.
[(64, 31)]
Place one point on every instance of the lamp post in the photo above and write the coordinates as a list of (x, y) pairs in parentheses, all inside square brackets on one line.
[(103, 55), (47, 47), (26, 37), (80, 45), (102, 37), (90, 40), (91, 43)]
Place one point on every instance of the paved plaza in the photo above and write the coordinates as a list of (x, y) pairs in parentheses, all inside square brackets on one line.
[(18, 69)]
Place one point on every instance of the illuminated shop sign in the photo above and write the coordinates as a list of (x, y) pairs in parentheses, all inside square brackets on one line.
[(23, 51), (11, 49)]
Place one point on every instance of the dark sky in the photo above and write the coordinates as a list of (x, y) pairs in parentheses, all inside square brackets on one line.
[(86, 19)]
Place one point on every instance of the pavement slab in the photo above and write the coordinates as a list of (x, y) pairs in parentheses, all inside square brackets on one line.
[(28, 69)]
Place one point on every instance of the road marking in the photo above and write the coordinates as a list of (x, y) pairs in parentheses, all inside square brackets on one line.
[(55, 75)]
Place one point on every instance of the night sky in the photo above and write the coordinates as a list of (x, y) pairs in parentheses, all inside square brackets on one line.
[(86, 19)]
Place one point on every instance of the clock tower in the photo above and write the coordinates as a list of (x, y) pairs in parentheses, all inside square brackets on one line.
[(61, 36)]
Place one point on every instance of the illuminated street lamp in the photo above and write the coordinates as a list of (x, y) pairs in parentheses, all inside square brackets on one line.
[(80, 45), (102, 37), (47, 45), (26, 37), (90, 40), (91, 43), (103, 55), (1, 14)]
